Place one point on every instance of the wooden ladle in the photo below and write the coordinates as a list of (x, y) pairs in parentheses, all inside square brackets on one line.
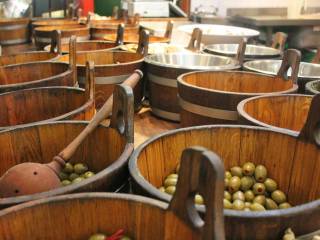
[(29, 178)]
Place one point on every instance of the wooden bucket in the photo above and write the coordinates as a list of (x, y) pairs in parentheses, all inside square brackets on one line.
[(34, 105), (313, 87), (39, 74), (43, 35), (139, 217), (286, 112), (212, 97), (164, 69), (111, 67), (105, 151), (14, 31), (292, 160)]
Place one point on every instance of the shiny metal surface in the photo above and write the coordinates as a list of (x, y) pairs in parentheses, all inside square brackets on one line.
[(252, 51), (306, 70), (192, 61)]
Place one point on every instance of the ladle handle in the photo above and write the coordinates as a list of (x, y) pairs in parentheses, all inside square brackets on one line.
[(169, 28), (120, 34), (73, 58), (291, 59), (143, 45), (103, 113), (90, 83), (195, 40), (311, 129), (241, 51), (55, 46), (201, 171)]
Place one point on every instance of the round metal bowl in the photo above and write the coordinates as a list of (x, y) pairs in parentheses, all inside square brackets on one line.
[(156, 48), (192, 61), (220, 33), (313, 87), (252, 51), (307, 71)]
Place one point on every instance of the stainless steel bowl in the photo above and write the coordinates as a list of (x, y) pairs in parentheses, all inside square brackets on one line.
[(252, 51), (192, 61), (307, 71), (313, 87)]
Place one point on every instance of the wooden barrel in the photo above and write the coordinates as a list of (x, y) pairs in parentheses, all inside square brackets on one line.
[(43, 35), (39, 74), (111, 67), (139, 217), (105, 151), (212, 97), (292, 160), (313, 87), (14, 31), (33, 105), (286, 112)]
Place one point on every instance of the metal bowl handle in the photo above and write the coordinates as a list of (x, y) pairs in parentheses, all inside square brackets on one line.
[(291, 59), (241, 51), (195, 40)]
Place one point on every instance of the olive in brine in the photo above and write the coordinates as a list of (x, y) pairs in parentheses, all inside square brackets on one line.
[(261, 199), (66, 182), (248, 169), (246, 183), (170, 182), (270, 184), (170, 190), (234, 184), (162, 189), (259, 189), (73, 176), (80, 168), (63, 176), (278, 196), (238, 195), (257, 207), (68, 168), (227, 174), (227, 204), (249, 196), (270, 204), (88, 174), (77, 180), (227, 195), (236, 171), (260, 173), (198, 199), (284, 205), (238, 205)]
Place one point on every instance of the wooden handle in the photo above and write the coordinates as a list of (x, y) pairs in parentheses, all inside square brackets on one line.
[(120, 34), (90, 83), (311, 129), (56, 42), (291, 59), (143, 45), (202, 172), (316, 58), (168, 32), (195, 40), (0, 50), (241, 51), (103, 113), (73, 57), (279, 41)]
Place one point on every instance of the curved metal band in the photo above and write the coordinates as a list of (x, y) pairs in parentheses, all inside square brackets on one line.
[(168, 82), (63, 40), (14, 41), (106, 80), (13, 27), (166, 115), (208, 112)]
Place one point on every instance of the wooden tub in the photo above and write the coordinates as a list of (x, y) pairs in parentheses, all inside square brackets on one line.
[(42, 35), (292, 160), (212, 97), (105, 151), (39, 74), (111, 67), (14, 31), (139, 217), (286, 112)]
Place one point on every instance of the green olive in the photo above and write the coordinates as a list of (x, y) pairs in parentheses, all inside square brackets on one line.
[(271, 185), (270, 204), (259, 189), (238, 205), (289, 235), (246, 183), (249, 196), (227, 204), (234, 184), (170, 182), (73, 176), (257, 207), (80, 168), (278, 196), (236, 171), (227, 174), (261, 199), (88, 174), (284, 205), (65, 182), (162, 189), (77, 180), (260, 173), (63, 176), (173, 175), (238, 195), (98, 236), (227, 195), (170, 190), (247, 204), (198, 199), (248, 169), (68, 168)]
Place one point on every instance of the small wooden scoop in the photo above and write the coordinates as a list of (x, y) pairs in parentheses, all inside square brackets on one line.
[(30, 178)]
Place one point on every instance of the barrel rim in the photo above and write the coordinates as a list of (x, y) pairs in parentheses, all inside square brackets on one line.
[(4, 21), (53, 22), (155, 193), (117, 164), (309, 86), (44, 29), (294, 88), (241, 111), (233, 65), (21, 85), (56, 56), (152, 39)]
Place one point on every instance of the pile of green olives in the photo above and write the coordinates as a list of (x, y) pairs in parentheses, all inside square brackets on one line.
[(248, 188), (101, 236), (74, 173)]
